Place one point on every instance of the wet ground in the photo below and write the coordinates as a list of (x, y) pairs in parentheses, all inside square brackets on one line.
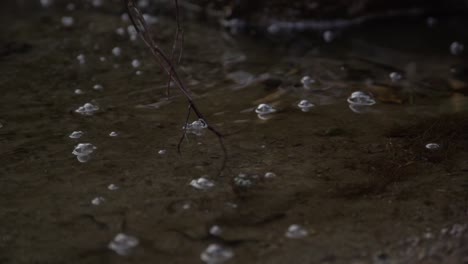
[(360, 182)]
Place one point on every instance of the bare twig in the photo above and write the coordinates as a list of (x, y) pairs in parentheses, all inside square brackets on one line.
[(141, 27)]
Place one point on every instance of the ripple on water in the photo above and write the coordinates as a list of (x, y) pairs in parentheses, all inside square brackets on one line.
[(216, 253), (123, 244)]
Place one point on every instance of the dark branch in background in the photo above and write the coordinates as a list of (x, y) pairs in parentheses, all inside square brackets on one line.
[(179, 33), (141, 27)]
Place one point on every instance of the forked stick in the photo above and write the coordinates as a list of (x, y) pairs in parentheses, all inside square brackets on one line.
[(141, 27)]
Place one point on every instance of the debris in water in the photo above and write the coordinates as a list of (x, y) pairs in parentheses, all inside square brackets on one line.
[(296, 231), (456, 48), (98, 201), (67, 21), (123, 244), (112, 187), (216, 253), (216, 230), (117, 51), (76, 134), (264, 109), (361, 98), (432, 146), (87, 109), (113, 134), (202, 183), (305, 105)]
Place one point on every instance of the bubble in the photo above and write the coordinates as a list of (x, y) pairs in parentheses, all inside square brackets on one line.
[(112, 187), (113, 134), (83, 149), (269, 175), (216, 230), (120, 31), (132, 32), (78, 91), (123, 244), (264, 109), (328, 36), (87, 109), (359, 109), (202, 183), (456, 48), (296, 231), (102, 59), (67, 21), (307, 81), (243, 180), (76, 134), (81, 58), (395, 76), (1, 125), (186, 206), (216, 253), (97, 3), (431, 21), (361, 98), (98, 201), (98, 87), (432, 146), (125, 17), (196, 127), (70, 6), (83, 158), (138, 72), (136, 63), (46, 3), (305, 105), (162, 152), (116, 51)]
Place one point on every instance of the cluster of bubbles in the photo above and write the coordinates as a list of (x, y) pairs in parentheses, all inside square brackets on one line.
[(197, 127), (83, 151)]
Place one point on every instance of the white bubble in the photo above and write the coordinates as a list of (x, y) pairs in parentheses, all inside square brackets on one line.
[(81, 58), (1, 125), (98, 201), (328, 36), (70, 6), (150, 19), (202, 183), (196, 127), (269, 175), (98, 87), (83, 158), (162, 151), (216, 230), (102, 59), (307, 81), (125, 17), (264, 109), (305, 105), (456, 48), (67, 21), (97, 3), (431, 21), (113, 134), (83, 149), (296, 231), (116, 51), (123, 244), (138, 72), (112, 187), (432, 146), (136, 63), (361, 98), (120, 31), (395, 76), (87, 109), (78, 91), (76, 134), (215, 254), (46, 3)]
